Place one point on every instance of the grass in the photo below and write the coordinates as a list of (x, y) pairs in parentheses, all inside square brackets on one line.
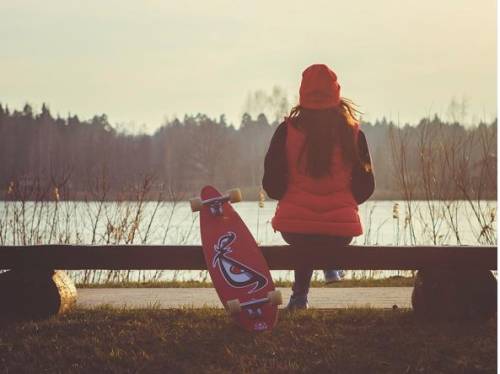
[(205, 340), (385, 282)]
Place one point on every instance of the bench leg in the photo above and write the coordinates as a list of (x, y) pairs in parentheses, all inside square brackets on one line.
[(451, 293), (35, 294)]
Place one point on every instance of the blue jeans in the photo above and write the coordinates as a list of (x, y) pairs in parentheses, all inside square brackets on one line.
[(303, 275), (332, 273)]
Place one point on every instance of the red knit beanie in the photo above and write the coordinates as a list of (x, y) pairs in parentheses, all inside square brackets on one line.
[(319, 88)]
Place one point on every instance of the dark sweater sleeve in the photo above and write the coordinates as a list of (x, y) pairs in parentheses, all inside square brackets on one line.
[(363, 179), (275, 178)]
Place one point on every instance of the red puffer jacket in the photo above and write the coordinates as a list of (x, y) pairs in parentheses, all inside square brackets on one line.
[(317, 205)]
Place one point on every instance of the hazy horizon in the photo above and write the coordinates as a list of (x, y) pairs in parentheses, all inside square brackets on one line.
[(139, 62)]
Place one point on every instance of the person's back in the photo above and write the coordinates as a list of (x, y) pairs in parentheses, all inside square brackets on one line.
[(317, 205), (319, 168)]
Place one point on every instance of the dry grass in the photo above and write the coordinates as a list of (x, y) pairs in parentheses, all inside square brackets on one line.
[(205, 340)]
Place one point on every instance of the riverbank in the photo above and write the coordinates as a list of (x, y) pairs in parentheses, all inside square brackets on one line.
[(205, 340)]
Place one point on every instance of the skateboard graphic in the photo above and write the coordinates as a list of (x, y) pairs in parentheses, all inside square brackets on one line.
[(239, 272)]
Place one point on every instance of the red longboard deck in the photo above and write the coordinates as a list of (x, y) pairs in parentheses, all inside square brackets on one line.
[(235, 263)]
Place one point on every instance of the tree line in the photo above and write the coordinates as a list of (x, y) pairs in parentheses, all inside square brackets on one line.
[(44, 156)]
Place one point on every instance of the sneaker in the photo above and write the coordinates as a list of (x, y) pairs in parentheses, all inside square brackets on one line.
[(296, 303), (332, 276)]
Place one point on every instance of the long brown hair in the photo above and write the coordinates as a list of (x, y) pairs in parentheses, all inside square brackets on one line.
[(325, 129)]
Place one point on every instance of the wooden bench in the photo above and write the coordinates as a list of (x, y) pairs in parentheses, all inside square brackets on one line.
[(444, 270)]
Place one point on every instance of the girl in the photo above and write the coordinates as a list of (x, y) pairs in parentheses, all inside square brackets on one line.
[(319, 168)]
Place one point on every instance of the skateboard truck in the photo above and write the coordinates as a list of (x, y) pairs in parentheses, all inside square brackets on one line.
[(254, 313), (234, 306), (215, 204)]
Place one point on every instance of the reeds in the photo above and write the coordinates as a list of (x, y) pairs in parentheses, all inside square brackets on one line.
[(33, 215), (452, 172)]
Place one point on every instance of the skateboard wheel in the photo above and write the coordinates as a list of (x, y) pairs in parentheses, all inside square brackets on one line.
[(233, 306), (275, 297), (196, 204), (235, 195)]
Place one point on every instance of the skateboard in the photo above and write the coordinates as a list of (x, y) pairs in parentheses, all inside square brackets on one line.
[(239, 272)]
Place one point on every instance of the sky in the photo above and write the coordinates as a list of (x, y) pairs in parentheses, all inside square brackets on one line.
[(141, 62)]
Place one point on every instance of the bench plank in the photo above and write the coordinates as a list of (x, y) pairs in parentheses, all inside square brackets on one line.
[(281, 257)]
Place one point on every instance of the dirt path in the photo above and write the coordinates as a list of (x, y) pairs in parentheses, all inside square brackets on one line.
[(374, 297)]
